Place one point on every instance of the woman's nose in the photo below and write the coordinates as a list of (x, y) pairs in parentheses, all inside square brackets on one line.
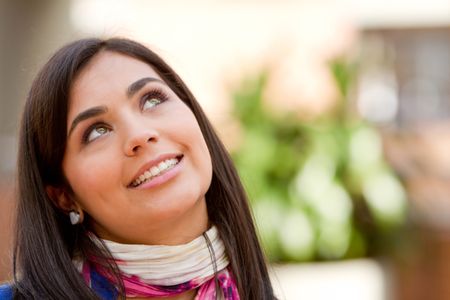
[(139, 139)]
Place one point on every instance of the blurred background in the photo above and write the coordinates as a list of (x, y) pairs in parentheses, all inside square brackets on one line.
[(335, 112)]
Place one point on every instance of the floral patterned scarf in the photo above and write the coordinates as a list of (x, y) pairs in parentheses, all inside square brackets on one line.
[(162, 271)]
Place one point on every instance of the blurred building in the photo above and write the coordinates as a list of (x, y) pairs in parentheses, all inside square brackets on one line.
[(412, 77), (405, 88)]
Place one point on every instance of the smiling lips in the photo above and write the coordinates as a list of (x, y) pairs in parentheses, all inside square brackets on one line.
[(156, 170)]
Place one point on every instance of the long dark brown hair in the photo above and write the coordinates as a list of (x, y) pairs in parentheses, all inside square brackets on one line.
[(46, 241)]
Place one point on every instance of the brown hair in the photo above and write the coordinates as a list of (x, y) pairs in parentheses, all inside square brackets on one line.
[(46, 241)]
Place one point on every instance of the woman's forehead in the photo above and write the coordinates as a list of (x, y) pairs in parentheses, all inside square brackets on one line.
[(111, 67), (107, 74)]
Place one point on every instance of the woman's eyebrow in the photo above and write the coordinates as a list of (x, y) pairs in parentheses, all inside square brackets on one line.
[(89, 113), (138, 84)]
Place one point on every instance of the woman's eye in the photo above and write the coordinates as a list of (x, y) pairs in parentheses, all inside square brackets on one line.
[(153, 98), (151, 102), (96, 133)]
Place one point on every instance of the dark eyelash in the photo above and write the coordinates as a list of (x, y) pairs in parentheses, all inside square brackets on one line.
[(155, 93), (84, 138)]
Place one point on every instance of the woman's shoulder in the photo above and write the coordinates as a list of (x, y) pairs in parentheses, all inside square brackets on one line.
[(6, 291)]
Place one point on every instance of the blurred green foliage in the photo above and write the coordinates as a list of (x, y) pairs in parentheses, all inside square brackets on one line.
[(320, 189)]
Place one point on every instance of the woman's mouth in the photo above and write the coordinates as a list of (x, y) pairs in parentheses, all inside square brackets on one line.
[(156, 170)]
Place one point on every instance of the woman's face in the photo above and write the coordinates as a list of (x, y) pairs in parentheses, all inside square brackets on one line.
[(136, 159)]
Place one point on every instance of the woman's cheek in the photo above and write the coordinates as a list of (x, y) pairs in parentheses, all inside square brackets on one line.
[(92, 173)]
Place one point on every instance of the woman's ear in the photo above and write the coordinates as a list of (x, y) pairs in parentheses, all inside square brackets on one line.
[(59, 198), (62, 201)]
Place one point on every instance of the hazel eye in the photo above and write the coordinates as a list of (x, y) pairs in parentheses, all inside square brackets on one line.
[(150, 103), (153, 98), (96, 132)]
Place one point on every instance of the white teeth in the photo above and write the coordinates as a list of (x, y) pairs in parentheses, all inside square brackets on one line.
[(162, 166), (155, 171)]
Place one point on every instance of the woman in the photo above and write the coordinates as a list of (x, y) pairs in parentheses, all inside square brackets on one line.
[(125, 190)]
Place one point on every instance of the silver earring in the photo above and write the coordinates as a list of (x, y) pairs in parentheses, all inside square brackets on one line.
[(74, 217)]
